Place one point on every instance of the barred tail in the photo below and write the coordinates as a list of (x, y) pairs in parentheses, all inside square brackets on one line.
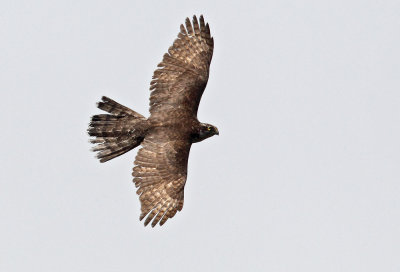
[(118, 132)]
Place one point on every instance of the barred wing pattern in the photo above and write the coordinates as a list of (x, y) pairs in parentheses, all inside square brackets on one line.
[(160, 175), (182, 76), (176, 89)]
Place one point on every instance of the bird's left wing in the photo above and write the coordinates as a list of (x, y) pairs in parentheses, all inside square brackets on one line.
[(160, 175)]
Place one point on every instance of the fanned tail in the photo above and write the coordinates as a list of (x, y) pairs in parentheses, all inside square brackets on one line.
[(118, 132)]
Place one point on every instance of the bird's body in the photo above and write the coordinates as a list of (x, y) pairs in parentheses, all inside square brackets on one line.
[(166, 136)]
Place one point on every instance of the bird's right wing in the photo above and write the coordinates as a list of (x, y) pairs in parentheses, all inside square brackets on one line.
[(182, 76)]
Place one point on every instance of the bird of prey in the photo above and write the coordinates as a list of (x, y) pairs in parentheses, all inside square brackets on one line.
[(165, 137)]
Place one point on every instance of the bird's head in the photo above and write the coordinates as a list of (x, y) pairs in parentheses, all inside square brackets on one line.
[(205, 131)]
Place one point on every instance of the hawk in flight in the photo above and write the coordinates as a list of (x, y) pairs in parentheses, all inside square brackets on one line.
[(160, 169)]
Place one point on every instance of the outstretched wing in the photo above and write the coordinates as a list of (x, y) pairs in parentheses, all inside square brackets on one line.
[(182, 76), (160, 174)]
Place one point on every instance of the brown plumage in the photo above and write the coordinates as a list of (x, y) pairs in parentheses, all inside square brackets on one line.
[(166, 136)]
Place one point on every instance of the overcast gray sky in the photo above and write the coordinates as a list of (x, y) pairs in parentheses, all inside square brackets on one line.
[(303, 177)]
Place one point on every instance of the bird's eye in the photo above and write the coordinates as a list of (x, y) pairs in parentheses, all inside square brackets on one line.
[(208, 128)]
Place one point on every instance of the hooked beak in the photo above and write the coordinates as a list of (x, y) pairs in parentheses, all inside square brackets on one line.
[(216, 131)]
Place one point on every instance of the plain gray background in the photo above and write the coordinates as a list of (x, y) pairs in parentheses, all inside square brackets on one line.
[(303, 177)]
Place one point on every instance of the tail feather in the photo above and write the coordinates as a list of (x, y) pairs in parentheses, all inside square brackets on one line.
[(118, 132), (116, 109)]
